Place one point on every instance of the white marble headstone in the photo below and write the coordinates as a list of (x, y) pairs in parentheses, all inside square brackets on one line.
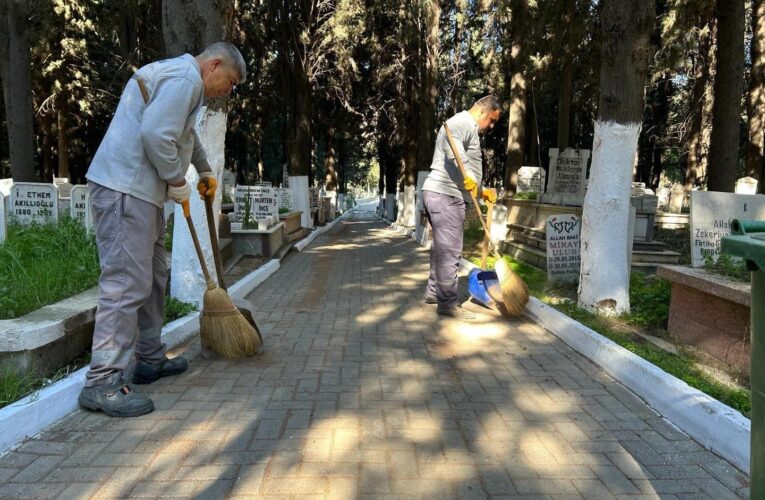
[(263, 202), (5, 187), (568, 176), (33, 201), (746, 185), (285, 198), (638, 189), (563, 248), (2, 217), (78, 202), (63, 185), (711, 217), (531, 179)]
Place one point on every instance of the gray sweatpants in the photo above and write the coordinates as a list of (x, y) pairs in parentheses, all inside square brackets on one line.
[(447, 219), (130, 238)]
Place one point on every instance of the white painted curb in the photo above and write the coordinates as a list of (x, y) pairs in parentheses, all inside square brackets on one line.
[(302, 244), (35, 413), (713, 424)]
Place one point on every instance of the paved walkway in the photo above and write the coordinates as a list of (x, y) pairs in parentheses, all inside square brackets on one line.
[(363, 393)]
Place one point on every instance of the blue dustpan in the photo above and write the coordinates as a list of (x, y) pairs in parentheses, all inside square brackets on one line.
[(480, 282)]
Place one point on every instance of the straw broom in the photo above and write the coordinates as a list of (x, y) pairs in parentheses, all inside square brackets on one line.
[(515, 293), (222, 326)]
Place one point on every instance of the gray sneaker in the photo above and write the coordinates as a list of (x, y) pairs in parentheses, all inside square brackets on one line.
[(146, 373), (455, 312), (116, 400)]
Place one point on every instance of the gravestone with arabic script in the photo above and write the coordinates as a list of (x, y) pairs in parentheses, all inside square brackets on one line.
[(563, 248)]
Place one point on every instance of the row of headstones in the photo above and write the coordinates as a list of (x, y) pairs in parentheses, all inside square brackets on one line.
[(568, 182), (266, 201), (32, 202), (711, 216)]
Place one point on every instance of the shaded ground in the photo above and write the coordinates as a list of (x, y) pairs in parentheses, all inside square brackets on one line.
[(363, 392)]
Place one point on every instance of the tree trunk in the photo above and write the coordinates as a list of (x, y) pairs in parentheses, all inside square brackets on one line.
[(606, 245), (729, 83), (188, 27), (299, 151), (15, 72), (330, 161), (63, 143), (755, 154), (567, 72), (429, 87), (516, 96), (701, 112)]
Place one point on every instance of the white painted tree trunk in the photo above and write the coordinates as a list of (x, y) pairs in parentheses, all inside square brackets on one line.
[(301, 199), (605, 274), (406, 207), (390, 204), (187, 281)]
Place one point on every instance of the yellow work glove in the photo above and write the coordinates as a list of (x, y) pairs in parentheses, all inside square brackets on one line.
[(206, 185), (470, 184), (489, 195)]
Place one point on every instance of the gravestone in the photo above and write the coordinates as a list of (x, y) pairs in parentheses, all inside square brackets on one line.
[(663, 194), (34, 202), (5, 187), (284, 196), (285, 177), (676, 198), (711, 217), (78, 202), (563, 248), (568, 177), (263, 202), (638, 189), (313, 195), (531, 180), (229, 183), (2, 218), (63, 186), (746, 185)]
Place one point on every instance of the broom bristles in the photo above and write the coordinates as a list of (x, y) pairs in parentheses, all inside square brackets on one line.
[(224, 329), (515, 293)]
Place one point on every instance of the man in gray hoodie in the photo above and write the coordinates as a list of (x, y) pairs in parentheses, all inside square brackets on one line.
[(141, 162), (446, 195)]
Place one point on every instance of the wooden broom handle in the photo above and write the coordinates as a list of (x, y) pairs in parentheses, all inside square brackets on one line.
[(485, 246), (472, 196), (187, 215), (214, 240)]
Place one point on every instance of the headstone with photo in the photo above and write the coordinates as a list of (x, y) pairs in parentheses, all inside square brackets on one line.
[(78, 202), (563, 248), (2, 218), (568, 177), (711, 216), (531, 180), (746, 185), (34, 202)]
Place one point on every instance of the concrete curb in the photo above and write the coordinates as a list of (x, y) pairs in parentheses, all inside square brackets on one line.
[(38, 411), (303, 244), (713, 424)]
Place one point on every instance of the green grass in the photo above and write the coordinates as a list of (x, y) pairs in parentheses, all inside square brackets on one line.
[(649, 301), (677, 240), (42, 264), (175, 309), (725, 265), (14, 386)]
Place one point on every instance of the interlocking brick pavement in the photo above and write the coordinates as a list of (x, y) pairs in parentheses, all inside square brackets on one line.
[(363, 392)]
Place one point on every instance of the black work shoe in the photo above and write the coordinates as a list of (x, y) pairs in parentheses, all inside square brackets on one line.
[(116, 400), (430, 299), (455, 312), (146, 373)]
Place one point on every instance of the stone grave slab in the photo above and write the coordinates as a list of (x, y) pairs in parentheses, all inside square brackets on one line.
[(78, 202), (34, 202), (563, 248), (284, 196), (568, 177), (531, 180), (746, 185), (711, 216)]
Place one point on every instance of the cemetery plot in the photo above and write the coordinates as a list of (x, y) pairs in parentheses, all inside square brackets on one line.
[(34, 202), (262, 201), (563, 248), (711, 217)]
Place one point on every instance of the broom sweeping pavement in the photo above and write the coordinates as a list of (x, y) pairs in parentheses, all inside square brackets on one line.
[(362, 391)]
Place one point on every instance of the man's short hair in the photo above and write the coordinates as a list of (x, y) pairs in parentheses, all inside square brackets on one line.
[(488, 103), (229, 54)]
